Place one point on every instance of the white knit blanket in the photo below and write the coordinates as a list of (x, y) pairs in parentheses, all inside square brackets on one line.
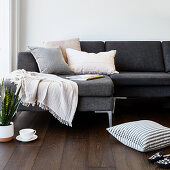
[(50, 92)]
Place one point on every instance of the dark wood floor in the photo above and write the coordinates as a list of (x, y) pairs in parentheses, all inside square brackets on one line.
[(85, 146)]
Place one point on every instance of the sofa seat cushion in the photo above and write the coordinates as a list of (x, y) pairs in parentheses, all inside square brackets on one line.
[(141, 78), (142, 91), (102, 87)]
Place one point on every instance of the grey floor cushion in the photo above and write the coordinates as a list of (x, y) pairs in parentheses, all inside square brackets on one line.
[(50, 60), (143, 135)]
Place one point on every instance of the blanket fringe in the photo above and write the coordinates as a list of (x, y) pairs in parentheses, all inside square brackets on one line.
[(42, 106), (17, 76)]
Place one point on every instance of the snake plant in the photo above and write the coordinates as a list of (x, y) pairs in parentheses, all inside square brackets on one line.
[(9, 104)]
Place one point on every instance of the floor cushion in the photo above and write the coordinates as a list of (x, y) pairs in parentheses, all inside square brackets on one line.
[(143, 135)]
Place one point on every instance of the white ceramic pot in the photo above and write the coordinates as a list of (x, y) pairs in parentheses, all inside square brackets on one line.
[(7, 133)]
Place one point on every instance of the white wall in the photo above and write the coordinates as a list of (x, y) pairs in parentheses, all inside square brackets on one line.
[(4, 38), (44, 20)]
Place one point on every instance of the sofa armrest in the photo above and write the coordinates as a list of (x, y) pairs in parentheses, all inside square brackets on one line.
[(27, 62), (8, 85)]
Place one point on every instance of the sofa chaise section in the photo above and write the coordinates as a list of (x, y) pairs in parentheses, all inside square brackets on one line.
[(96, 95)]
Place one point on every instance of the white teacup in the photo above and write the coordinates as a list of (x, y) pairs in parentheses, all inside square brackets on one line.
[(27, 134)]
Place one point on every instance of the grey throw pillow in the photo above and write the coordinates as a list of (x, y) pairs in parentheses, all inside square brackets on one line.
[(50, 60)]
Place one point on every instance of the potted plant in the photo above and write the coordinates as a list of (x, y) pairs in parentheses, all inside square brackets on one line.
[(9, 105)]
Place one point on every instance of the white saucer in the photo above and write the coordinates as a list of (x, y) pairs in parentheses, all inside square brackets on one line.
[(29, 140)]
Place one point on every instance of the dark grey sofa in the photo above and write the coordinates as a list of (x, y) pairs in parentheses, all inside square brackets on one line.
[(144, 72)]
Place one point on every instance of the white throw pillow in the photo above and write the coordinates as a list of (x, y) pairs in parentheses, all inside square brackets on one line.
[(143, 135), (84, 63)]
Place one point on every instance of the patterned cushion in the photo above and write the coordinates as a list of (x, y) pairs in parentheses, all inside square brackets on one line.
[(143, 135)]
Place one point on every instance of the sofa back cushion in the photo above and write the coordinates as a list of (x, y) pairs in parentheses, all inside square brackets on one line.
[(137, 55), (27, 61), (92, 46), (166, 54)]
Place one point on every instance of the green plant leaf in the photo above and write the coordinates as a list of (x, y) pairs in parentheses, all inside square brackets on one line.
[(2, 90), (9, 104)]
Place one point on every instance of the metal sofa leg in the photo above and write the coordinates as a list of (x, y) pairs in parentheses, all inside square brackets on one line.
[(114, 104), (110, 113), (110, 118)]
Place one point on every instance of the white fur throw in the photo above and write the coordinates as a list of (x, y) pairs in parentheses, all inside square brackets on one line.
[(50, 92)]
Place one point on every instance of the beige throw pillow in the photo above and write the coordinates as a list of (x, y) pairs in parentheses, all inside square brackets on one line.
[(84, 63), (72, 43)]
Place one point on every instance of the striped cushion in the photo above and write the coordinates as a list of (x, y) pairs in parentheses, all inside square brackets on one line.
[(143, 135)]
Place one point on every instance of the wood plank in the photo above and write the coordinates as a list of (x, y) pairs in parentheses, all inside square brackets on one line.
[(35, 120), (6, 150), (99, 152), (74, 155), (50, 154), (101, 169), (125, 157), (85, 146), (22, 158), (76, 146), (133, 159), (140, 163), (80, 127)]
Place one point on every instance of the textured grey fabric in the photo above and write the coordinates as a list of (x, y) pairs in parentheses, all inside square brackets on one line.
[(142, 91), (84, 104), (8, 84), (95, 104), (50, 60), (102, 87), (141, 78), (166, 54), (143, 57), (30, 108), (137, 55), (27, 62), (92, 46), (97, 87)]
